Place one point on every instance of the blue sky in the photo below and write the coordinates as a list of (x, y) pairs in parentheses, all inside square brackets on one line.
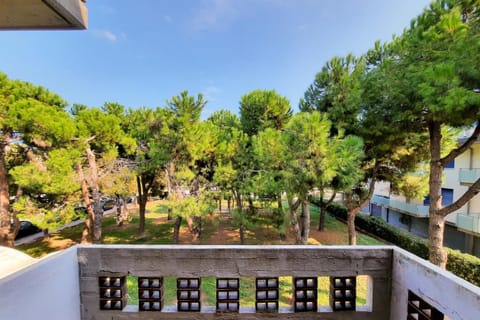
[(143, 52)]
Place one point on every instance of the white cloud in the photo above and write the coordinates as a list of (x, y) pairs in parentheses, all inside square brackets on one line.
[(108, 35), (210, 92), (167, 19), (214, 14)]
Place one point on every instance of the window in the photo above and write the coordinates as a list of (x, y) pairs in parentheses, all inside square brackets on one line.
[(447, 196), (450, 165)]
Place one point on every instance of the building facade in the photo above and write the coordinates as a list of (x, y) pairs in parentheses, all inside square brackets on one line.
[(462, 229)]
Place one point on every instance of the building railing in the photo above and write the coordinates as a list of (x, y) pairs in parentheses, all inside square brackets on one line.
[(408, 208), (469, 222), (94, 282), (468, 176)]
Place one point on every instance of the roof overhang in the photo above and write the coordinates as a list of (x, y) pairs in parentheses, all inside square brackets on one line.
[(42, 14)]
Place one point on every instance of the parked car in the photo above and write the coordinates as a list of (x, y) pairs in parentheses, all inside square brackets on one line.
[(27, 228), (107, 204)]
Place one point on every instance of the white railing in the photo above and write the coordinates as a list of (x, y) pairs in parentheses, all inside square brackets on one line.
[(469, 222), (468, 176), (409, 208)]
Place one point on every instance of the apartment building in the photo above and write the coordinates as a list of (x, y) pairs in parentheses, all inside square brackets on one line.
[(462, 230)]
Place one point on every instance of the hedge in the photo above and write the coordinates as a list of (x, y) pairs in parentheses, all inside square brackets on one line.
[(461, 264)]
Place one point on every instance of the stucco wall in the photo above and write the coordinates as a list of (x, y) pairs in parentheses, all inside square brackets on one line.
[(451, 295), (48, 289)]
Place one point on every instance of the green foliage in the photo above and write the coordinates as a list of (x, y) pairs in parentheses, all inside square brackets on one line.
[(44, 217), (261, 109), (121, 181), (199, 206), (463, 265), (186, 109), (105, 128), (313, 158), (52, 176), (431, 58), (225, 120), (337, 90), (242, 218)]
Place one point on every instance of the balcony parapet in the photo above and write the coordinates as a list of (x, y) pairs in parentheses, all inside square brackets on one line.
[(231, 262), (468, 176), (469, 222), (416, 210), (89, 282)]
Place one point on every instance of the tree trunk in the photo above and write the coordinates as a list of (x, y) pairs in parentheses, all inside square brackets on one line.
[(176, 229), (352, 233), (98, 211), (122, 209), (238, 200), (9, 224), (305, 222), (321, 222), (169, 192), (87, 233), (296, 226), (250, 205), (436, 227), (142, 205), (355, 205), (281, 218), (241, 229), (323, 209), (436, 224)]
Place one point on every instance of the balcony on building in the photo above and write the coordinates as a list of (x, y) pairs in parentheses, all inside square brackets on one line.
[(43, 14), (416, 210), (469, 223), (468, 176), (90, 282)]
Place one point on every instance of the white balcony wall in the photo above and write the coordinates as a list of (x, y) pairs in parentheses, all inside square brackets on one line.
[(48, 289), (454, 297)]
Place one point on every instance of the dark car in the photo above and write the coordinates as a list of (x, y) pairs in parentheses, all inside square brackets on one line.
[(107, 204), (27, 228)]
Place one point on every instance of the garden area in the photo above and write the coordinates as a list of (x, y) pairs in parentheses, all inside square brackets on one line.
[(217, 230)]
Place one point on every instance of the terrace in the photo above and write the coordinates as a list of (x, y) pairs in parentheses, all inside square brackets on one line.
[(89, 282)]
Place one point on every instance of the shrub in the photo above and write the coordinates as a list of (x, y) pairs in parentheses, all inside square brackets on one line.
[(461, 264)]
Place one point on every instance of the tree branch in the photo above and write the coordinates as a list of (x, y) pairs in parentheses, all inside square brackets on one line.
[(461, 149), (473, 190), (371, 189)]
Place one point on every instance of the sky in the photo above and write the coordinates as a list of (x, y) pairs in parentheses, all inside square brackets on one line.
[(141, 53)]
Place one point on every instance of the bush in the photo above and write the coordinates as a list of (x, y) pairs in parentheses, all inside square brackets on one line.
[(461, 264)]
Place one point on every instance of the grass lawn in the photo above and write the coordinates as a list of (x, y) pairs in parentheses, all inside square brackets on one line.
[(217, 229)]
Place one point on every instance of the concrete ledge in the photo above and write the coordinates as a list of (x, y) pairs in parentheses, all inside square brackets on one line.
[(236, 262), (42, 14)]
